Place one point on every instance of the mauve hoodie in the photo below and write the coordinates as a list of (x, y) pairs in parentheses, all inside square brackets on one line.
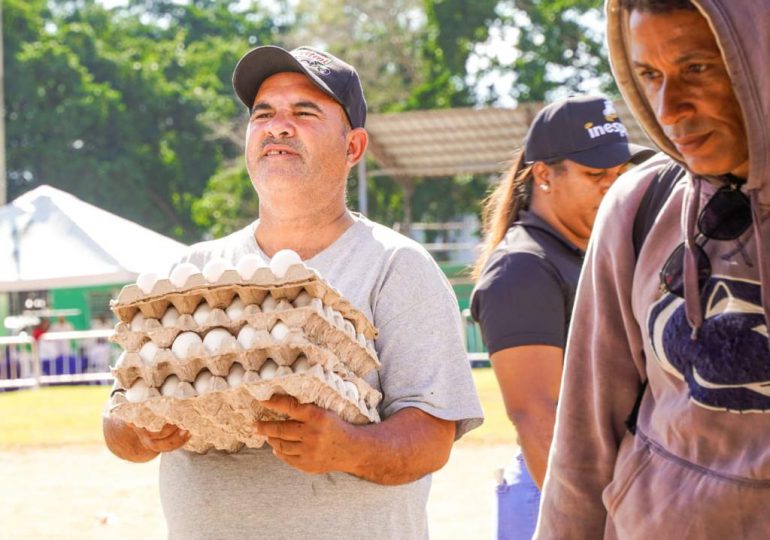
[(699, 466)]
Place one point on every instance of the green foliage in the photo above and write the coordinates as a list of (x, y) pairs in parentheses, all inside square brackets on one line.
[(131, 108), (453, 28), (560, 48), (116, 106), (228, 204)]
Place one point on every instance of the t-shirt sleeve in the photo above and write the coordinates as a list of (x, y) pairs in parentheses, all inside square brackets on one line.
[(424, 363), (518, 301)]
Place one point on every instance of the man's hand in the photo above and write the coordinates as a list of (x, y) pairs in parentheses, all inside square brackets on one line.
[(139, 445), (313, 440), (168, 439), (404, 447)]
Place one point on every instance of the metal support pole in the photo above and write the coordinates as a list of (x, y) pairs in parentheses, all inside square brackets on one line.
[(363, 200), (37, 369), (3, 182)]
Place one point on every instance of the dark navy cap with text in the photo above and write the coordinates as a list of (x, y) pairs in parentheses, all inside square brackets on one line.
[(584, 129), (335, 77)]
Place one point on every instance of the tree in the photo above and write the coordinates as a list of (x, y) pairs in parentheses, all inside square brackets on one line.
[(559, 50), (117, 106)]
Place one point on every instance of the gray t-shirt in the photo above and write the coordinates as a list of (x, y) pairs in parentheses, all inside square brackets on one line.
[(252, 494)]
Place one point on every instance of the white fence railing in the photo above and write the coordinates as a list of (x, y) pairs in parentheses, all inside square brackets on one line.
[(58, 357)]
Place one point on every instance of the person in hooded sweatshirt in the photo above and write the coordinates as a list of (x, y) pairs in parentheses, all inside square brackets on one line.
[(685, 324)]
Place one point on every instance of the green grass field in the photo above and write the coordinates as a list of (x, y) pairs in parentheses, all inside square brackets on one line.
[(54, 416)]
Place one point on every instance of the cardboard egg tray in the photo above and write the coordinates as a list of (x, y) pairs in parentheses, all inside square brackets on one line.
[(222, 418), (326, 330), (306, 326), (221, 293)]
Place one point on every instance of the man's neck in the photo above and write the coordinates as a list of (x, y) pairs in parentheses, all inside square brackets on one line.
[(307, 235)]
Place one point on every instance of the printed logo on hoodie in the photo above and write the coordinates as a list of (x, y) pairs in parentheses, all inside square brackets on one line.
[(728, 367)]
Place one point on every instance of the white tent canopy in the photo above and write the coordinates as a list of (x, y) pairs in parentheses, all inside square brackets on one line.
[(51, 239)]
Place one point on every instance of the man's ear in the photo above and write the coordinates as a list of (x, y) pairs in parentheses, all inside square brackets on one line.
[(357, 141)]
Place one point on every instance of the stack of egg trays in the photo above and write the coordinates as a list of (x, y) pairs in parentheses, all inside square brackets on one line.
[(339, 355)]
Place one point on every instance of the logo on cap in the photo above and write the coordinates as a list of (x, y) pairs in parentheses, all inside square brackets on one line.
[(315, 61), (609, 112), (612, 124)]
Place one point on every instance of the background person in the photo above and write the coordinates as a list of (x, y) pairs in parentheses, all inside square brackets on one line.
[(690, 316), (537, 224), (320, 477)]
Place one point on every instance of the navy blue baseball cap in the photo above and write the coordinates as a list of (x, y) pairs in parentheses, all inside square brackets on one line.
[(584, 129), (336, 78)]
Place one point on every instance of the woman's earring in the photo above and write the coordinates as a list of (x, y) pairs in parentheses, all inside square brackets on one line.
[(545, 187)]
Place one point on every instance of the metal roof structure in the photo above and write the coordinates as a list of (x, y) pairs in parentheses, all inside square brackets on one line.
[(448, 142)]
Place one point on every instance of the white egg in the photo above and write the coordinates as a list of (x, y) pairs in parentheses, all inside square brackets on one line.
[(329, 313), (181, 273), (184, 343), (121, 359), (148, 352), (137, 392), (146, 281), (235, 310), (217, 384), (268, 369), (282, 260), (202, 381), (216, 339), (335, 381), (248, 265), (283, 305), (137, 322), (303, 299), (214, 269), (279, 331), (349, 328), (269, 304), (361, 340), (247, 337), (301, 364), (185, 390), (201, 313), (338, 320), (170, 385), (351, 391), (317, 371), (170, 317), (318, 306), (235, 377)]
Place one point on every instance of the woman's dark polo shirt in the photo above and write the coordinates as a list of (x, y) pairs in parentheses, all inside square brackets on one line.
[(525, 293)]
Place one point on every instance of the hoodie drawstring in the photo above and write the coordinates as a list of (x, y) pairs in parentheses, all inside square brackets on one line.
[(763, 263), (692, 300)]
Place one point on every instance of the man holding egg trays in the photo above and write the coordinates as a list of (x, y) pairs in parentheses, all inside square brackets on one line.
[(321, 477)]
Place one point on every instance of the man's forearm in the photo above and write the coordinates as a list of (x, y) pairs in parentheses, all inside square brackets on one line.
[(403, 448)]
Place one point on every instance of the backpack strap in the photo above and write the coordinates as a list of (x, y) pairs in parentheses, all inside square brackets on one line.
[(652, 202)]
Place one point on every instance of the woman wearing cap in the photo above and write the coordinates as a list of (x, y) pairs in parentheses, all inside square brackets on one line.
[(537, 223)]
